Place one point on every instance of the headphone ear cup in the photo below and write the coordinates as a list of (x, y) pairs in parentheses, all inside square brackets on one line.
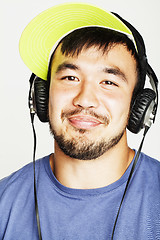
[(41, 95), (139, 109)]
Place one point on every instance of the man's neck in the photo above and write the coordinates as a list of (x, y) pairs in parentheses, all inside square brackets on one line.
[(89, 174)]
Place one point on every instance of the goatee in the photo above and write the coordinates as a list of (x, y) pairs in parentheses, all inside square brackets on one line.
[(84, 149)]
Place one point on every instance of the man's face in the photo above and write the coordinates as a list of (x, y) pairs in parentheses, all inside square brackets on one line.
[(89, 100)]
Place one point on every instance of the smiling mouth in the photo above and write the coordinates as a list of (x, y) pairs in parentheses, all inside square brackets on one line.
[(84, 122)]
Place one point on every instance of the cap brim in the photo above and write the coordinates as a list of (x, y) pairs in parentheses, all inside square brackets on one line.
[(44, 32)]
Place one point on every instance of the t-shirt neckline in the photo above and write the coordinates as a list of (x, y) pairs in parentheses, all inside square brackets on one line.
[(87, 192)]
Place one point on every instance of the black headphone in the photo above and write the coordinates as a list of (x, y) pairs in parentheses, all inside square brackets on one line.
[(143, 109)]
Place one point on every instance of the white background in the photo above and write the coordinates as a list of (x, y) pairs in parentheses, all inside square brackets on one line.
[(16, 141)]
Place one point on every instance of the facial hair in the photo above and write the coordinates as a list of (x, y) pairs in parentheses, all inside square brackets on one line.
[(80, 148)]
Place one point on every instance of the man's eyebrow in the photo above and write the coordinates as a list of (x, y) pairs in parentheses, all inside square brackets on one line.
[(66, 65), (116, 72)]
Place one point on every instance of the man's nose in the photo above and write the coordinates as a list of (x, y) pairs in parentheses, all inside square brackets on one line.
[(86, 97)]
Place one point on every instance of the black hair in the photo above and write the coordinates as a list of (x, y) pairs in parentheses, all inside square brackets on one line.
[(102, 38)]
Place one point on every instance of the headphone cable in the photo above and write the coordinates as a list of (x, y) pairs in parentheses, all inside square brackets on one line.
[(129, 178), (35, 189), (127, 184)]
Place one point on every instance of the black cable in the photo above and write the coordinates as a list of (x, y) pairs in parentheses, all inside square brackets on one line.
[(35, 189), (129, 178), (127, 184)]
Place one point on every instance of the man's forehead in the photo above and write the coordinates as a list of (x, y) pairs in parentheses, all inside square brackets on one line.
[(59, 56)]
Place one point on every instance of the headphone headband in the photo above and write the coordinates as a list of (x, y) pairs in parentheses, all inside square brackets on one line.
[(146, 69), (141, 50)]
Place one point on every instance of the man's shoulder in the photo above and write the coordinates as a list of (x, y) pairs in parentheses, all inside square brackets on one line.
[(16, 178), (19, 179), (150, 162), (150, 169)]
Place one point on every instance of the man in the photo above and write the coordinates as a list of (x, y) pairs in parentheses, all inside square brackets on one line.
[(94, 76)]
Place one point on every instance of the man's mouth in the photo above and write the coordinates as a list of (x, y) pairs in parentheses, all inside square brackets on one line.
[(84, 122)]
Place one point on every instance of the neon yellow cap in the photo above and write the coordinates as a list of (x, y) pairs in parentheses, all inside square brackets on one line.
[(43, 33)]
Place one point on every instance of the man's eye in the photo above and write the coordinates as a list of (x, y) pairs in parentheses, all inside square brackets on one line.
[(109, 83), (70, 78)]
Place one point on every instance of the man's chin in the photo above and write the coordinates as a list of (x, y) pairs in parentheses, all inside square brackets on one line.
[(83, 149)]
